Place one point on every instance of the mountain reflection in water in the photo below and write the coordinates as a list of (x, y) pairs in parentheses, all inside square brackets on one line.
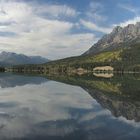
[(73, 108), (120, 94)]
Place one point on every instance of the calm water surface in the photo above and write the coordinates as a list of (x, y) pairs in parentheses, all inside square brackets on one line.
[(35, 108)]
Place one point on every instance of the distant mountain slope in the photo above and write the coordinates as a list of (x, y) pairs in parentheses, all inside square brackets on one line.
[(9, 59), (120, 49), (127, 58), (122, 60), (118, 37)]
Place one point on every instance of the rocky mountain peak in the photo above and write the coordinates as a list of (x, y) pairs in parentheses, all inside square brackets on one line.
[(119, 34), (138, 24), (117, 29)]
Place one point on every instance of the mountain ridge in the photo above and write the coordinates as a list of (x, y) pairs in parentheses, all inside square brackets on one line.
[(120, 49), (11, 58), (119, 35)]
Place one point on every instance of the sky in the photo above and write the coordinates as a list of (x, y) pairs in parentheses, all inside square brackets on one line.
[(57, 29)]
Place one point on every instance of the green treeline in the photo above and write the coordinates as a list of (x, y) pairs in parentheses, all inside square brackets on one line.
[(126, 59)]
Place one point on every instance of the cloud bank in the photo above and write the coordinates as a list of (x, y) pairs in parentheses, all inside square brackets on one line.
[(41, 30), (56, 30)]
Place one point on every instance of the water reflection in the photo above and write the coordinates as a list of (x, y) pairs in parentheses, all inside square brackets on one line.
[(12, 80), (54, 110), (120, 94), (104, 75)]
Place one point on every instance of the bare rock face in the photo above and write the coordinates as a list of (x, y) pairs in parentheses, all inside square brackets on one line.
[(118, 36)]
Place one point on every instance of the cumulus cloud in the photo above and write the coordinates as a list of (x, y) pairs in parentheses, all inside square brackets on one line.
[(35, 33)]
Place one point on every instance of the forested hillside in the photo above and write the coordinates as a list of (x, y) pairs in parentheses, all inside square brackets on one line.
[(122, 60)]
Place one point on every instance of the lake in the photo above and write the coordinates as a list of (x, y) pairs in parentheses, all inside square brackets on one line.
[(69, 107)]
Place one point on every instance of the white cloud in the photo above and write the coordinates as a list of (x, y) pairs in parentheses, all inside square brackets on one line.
[(39, 35), (94, 27), (72, 44), (129, 122), (130, 21), (14, 12), (57, 10), (30, 108), (133, 10), (93, 115)]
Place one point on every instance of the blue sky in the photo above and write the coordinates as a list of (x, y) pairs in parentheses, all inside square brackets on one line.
[(61, 28)]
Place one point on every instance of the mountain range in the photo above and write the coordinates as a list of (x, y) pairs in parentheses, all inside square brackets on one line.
[(10, 59), (120, 49), (127, 35)]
